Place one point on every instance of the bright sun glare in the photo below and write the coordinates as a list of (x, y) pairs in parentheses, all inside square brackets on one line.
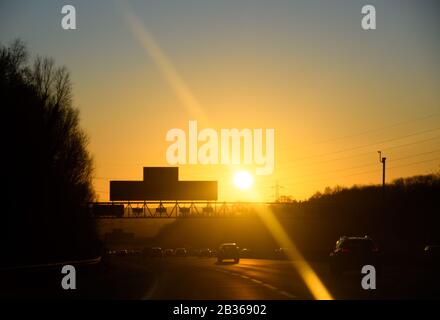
[(243, 180)]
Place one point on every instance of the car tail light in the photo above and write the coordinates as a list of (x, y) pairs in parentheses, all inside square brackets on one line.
[(345, 250)]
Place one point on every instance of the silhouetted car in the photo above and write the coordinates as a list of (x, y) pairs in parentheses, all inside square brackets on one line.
[(282, 253), (431, 256), (279, 252), (122, 253), (134, 252), (193, 252), (156, 252), (245, 252), (205, 253), (168, 252), (180, 252), (352, 253), (228, 251)]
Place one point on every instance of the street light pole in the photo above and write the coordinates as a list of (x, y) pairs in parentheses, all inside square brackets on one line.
[(382, 160)]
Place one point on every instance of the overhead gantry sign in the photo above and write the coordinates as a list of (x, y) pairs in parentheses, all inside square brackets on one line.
[(162, 184)]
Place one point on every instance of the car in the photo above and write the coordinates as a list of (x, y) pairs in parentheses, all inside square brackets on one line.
[(122, 253), (168, 252), (279, 253), (228, 251), (245, 252), (180, 252), (205, 253), (431, 256), (134, 252), (156, 252), (352, 253), (191, 252), (282, 253)]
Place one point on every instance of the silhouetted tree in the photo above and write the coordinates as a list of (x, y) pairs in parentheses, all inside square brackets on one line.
[(46, 170)]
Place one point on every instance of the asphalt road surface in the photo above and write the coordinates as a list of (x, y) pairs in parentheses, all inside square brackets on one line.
[(204, 278)]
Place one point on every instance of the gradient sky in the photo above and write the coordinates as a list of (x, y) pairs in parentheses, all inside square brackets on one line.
[(334, 93)]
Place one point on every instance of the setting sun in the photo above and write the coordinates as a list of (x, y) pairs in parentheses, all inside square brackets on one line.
[(243, 180)]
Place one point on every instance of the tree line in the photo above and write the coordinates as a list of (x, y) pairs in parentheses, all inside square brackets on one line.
[(46, 169)]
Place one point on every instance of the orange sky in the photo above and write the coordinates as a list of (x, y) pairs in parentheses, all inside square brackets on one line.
[(334, 93)]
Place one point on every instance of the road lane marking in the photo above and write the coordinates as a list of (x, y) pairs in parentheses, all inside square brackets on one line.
[(279, 291), (287, 294), (270, 286)]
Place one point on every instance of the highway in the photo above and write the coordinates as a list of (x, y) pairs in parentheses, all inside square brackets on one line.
[(204, 278), (253, 279), (195, 278)]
